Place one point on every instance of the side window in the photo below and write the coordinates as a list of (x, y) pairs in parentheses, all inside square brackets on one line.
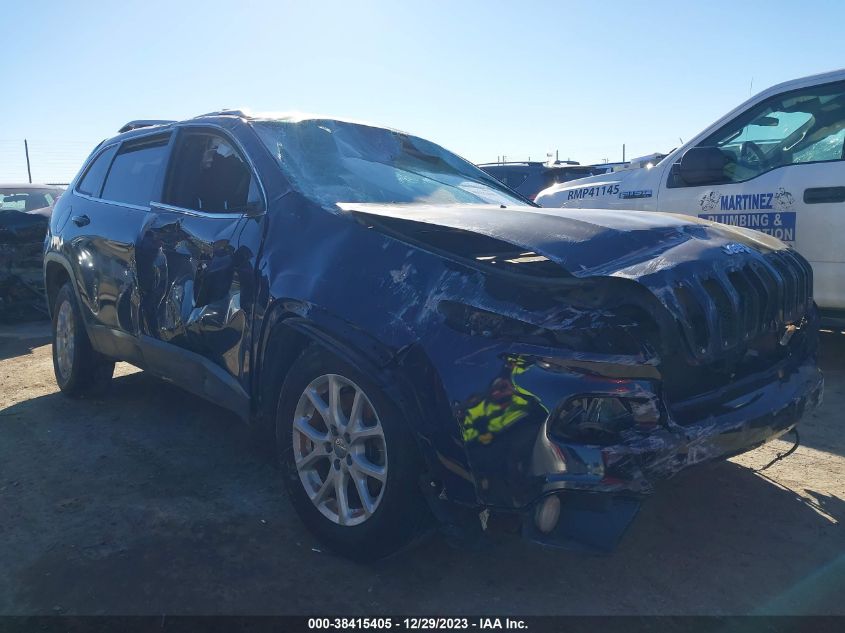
[(802, 126), (135, 170), (208, 174), (92, 182)]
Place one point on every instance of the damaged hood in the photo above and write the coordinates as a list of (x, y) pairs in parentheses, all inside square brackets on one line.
[(585, 242)]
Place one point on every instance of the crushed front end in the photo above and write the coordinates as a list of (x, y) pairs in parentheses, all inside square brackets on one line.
[(585, 356), (742, 371), (21, 278), (640, 375)]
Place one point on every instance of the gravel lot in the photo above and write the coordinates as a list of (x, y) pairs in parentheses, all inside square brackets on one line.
[(151, 501)]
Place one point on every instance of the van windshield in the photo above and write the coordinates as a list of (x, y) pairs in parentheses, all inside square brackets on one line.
[(335, 161)]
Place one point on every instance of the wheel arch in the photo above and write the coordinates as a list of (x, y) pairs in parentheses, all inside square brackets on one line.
[(290, 327), (57, 272)]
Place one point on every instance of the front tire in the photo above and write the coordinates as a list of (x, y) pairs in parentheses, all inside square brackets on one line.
[(79, 370), (350, 463)]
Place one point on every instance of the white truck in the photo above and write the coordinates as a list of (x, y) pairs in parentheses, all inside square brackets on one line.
[(775, 164)]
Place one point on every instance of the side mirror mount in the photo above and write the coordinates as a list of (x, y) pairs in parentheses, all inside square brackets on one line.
[(703, 166), (254, 208), (254, 204)]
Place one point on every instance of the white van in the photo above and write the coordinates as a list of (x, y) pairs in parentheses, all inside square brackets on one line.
[(775, 164)]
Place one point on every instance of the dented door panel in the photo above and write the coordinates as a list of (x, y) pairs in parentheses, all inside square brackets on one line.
[(192, 283)]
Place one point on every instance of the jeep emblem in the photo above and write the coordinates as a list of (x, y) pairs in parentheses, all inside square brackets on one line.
[(734, 248)]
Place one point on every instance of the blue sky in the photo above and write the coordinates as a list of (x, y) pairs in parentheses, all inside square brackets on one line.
[(481, 78)]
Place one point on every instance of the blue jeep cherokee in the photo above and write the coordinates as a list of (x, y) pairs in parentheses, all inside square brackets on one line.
[(414, 339)]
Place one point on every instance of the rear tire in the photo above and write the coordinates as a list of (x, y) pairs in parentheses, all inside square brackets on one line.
[(79, 370), (349, 460)]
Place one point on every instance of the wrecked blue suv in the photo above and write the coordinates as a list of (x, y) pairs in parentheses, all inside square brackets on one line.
[(413, 339)]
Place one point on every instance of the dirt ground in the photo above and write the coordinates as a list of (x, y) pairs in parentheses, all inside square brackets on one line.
[(151, 501)]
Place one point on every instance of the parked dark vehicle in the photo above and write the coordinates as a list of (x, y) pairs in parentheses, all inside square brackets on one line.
[(417, 340), (530, 178), (24, 213)]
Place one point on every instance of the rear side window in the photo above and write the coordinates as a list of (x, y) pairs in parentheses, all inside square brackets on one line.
[(135, 171), (92, 182), (208, 174)]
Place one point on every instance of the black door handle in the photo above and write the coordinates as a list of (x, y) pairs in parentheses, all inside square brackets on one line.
[(817, 195), (80, 220)]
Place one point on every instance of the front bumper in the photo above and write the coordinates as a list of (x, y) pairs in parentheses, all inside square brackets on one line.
[(719, 425), (739, 418)]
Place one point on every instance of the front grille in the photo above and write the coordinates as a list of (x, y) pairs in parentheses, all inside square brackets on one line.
[(729, 307)]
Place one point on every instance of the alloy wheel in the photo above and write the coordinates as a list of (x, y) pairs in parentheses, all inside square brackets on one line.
[(339, 449), (65, 339)]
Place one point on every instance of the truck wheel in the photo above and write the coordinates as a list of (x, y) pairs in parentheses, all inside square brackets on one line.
[(79, 370), (349, 460)]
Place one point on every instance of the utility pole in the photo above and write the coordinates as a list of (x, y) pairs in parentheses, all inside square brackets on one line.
[(26, 151), (623, 152)]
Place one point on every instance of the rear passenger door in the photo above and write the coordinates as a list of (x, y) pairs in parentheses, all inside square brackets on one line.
[(191, 270), (108, 211)]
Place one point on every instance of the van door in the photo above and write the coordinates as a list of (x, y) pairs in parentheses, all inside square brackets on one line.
[(783, 174), (192, 271)]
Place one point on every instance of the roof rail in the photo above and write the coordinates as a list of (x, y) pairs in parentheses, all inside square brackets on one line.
[(134, 125), (224, 112)]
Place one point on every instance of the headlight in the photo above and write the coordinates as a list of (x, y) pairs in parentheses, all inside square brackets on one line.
[(602, 419), (625, 333)]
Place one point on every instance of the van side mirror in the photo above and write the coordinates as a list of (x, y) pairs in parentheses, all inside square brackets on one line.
[(703, 166)]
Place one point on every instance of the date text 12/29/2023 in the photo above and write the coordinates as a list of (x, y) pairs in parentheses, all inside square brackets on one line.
[(417, 623)]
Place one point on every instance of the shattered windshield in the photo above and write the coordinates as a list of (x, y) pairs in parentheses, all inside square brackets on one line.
[(335, 161)]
